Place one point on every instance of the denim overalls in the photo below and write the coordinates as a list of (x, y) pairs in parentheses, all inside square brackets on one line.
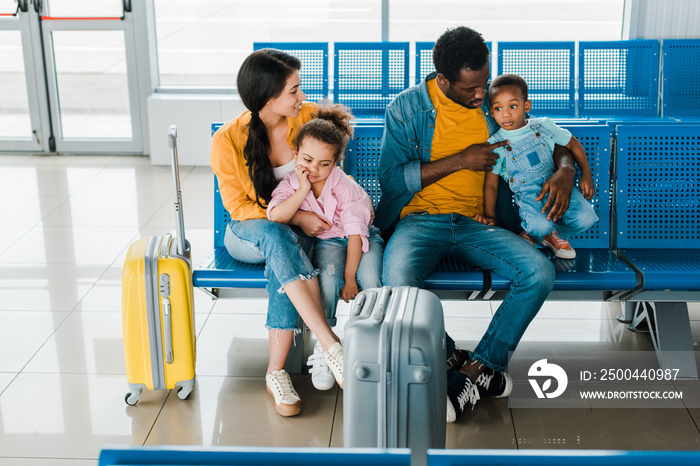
[(529, 164)]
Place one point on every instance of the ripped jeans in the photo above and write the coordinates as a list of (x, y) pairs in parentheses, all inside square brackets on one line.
[(329, 258), (284, 251)]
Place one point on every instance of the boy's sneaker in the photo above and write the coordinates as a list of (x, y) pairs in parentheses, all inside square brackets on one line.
[(524, 235), (279, 385), (560, 247), (334, 359), (321, 375), (461, 392)]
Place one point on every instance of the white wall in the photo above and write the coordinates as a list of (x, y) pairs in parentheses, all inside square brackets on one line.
[(193, 115), (661, 19)]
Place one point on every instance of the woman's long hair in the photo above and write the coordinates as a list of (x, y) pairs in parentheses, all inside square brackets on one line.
[(262, 77)]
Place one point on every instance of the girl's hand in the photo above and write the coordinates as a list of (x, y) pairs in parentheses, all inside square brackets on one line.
[(350, 290), (587, 186), (485, 220), (303, 178)]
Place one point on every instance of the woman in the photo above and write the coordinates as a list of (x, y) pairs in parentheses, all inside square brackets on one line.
[(249, 155)]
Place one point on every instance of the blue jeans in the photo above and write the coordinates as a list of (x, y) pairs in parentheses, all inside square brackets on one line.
[(283, 249), (329, 257), (421, 240), (578, 218)]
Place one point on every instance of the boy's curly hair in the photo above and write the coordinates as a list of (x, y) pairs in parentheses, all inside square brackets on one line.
[(508, 79), (457, 49)]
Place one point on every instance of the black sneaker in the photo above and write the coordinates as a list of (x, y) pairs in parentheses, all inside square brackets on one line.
[(494, 383), (491, 382), (461, 391), (458, 359)]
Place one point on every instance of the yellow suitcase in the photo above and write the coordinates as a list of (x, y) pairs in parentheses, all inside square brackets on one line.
[(158, 310)]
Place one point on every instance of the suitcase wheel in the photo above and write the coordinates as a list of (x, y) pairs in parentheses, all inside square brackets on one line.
[(184, 393), (132, 398)]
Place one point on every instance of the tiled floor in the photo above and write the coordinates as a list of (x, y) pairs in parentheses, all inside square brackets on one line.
[(65, 224)]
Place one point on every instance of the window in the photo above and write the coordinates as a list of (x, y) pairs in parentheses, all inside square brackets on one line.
[(508, 20), (203, 43)]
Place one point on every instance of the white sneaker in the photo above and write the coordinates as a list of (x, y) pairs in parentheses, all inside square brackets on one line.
[(334, 359), (321, 375), (279, 385)]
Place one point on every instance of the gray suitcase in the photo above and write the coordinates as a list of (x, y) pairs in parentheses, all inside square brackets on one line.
[(395, 371)]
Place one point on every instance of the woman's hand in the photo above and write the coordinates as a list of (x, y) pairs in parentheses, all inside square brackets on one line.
[(310, 223)]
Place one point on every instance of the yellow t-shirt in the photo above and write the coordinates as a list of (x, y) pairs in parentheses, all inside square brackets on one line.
[(456, 128), (229, 164)]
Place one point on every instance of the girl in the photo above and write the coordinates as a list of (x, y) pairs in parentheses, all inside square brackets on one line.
[(350, 246), (249, 155)]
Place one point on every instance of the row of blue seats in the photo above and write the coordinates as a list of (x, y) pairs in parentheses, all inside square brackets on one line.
[(644, 251), (653, 201), (143, 456), (613, 78)]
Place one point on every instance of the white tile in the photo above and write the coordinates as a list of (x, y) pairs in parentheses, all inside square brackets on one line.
[(69, 245), (455, 308), (239, 411), (72, 415), (22, 334), (130, 181), (26, 210), (86, 343), (105, 211), (9, 235), (47, 462), (53, 287), (595, 310), (5, 379), (240, 306), (235, 345), (198, 212), (694, 311)]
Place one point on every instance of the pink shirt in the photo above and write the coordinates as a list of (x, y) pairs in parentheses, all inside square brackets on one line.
[(342, 202)]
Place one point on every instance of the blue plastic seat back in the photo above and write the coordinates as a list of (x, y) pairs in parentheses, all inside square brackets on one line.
[(658, 205), (619, 78), (595, 140), (681, 77), (548, 68), (314, 65), (362, 159), (368, 75)]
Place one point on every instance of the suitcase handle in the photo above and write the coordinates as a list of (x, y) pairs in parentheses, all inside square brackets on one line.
[(179, 219), (380, 307)]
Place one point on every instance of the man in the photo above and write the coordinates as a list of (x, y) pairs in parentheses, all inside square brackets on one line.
[(433, 158)]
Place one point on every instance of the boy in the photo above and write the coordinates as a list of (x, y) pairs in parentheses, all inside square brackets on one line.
[(526, 163)]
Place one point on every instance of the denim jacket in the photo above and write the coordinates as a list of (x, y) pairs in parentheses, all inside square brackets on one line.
[(407, 142)]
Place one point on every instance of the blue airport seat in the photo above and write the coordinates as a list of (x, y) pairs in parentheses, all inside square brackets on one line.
[(596, 267), (368, 75), (681, 77), (658, 204), (619, 79), (548, 68), (314, 65), (561, 457), (424, 60), (267, 456)]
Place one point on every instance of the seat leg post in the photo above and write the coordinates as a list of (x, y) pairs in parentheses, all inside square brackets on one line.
[(674, 340)]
